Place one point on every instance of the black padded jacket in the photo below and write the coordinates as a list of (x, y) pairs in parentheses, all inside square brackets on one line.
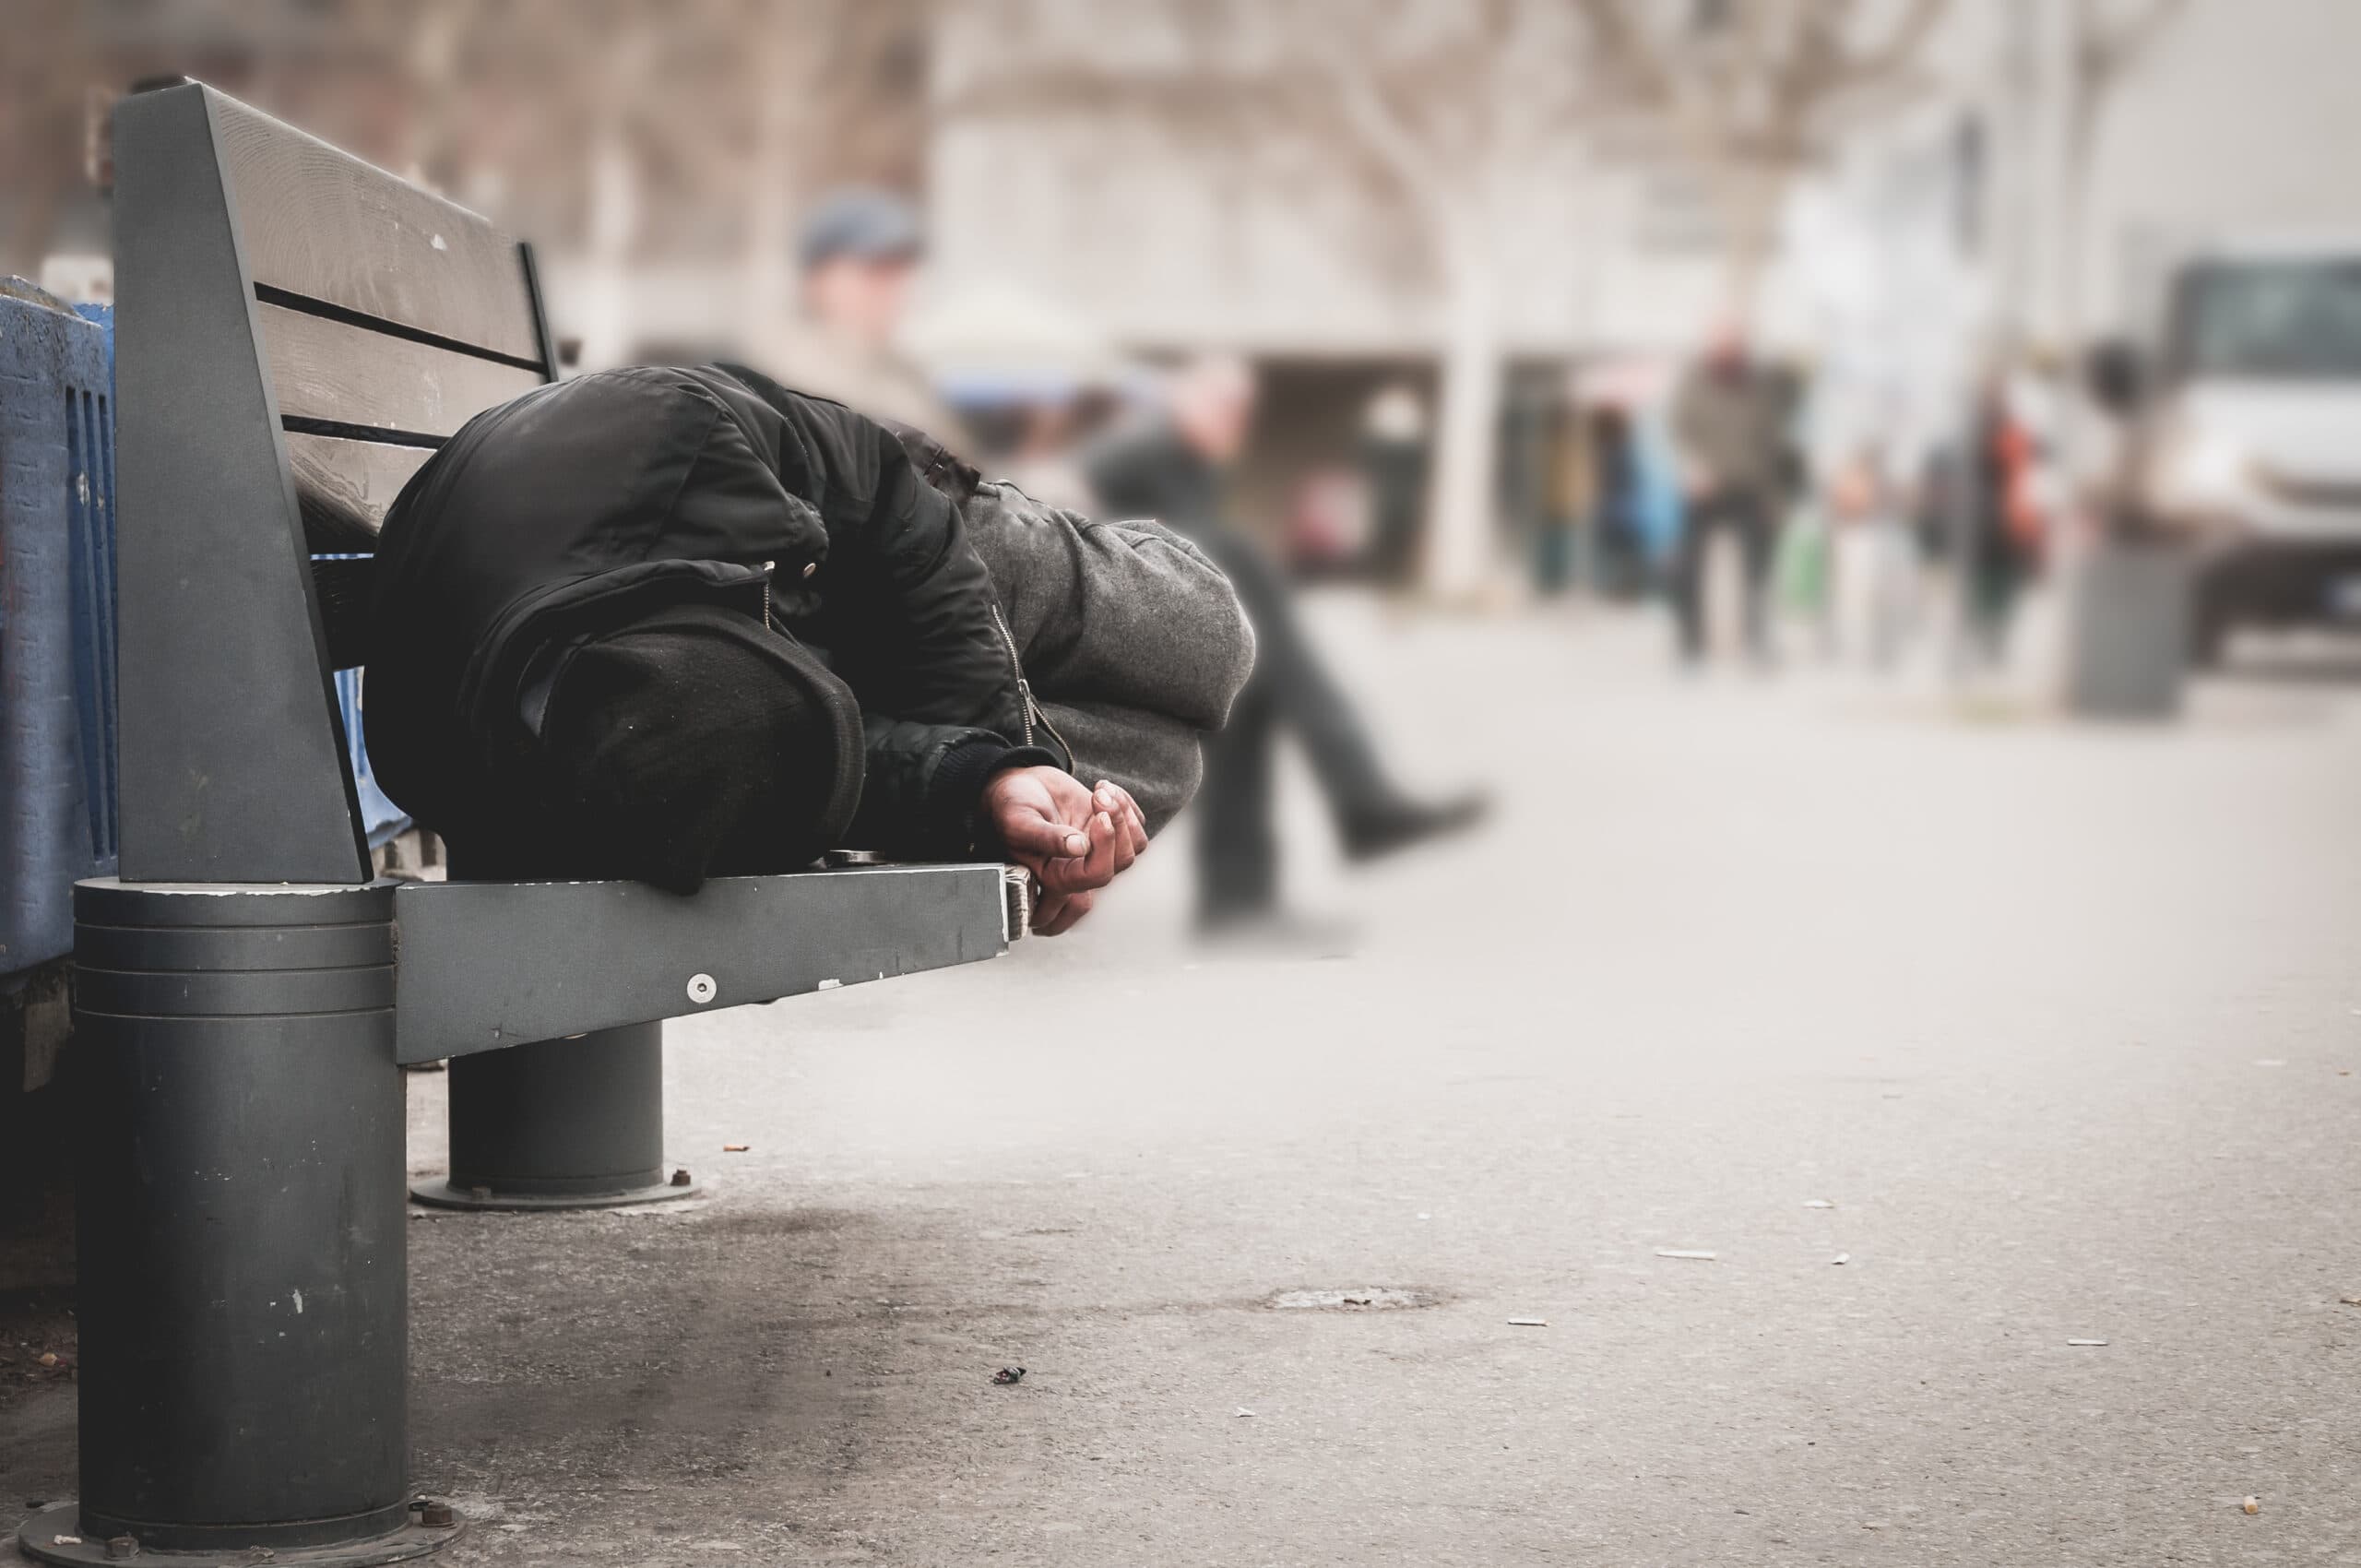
[(584, 504)]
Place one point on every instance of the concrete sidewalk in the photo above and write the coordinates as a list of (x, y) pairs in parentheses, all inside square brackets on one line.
[(2060, 1022)]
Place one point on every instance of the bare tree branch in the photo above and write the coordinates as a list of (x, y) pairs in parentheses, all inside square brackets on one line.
[(1881, 61), (2103, 53), (1361, 102), (1621, 38), (1755, 97), (1419, 100), (1765, 93)]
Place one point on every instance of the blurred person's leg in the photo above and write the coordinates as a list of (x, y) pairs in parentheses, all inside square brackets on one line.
[(1237, 844), (1994, 597), (1757, 537), (1890, 633), (1624, 569), (1295, 682), (1553, 556), (1689, 562)]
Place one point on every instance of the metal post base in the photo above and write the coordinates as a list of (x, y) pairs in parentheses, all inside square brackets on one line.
[(243, 1290), (57, 1534), (560, 1124), (443, 1194)]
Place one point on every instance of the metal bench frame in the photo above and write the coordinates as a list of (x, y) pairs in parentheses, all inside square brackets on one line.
[(247, 990)]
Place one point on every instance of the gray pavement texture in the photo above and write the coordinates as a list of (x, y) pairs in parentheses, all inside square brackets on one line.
[(2062, 1021)]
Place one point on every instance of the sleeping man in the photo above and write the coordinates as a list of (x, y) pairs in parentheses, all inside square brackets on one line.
[(673, 623)]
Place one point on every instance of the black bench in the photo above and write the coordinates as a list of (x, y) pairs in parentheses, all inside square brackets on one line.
[(297, 332)]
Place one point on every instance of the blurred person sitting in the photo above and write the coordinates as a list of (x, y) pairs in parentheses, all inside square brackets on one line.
[(1729, 421), (673, 623), (1172, 468)]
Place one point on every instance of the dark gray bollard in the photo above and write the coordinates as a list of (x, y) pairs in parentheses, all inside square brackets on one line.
[(243, 1296), (2128, 631), (559, 1123)]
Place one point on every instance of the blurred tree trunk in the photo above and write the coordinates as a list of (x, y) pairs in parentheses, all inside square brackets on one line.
[(2105, 46), (46, 71), (1753, 202), (604, 322), (1460, 497), (768, 263)]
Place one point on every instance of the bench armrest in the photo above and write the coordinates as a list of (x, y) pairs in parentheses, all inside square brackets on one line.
[(483, 964)]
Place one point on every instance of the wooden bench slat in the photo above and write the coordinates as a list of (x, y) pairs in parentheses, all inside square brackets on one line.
[(325, 370), (320, 222), (345, 486)]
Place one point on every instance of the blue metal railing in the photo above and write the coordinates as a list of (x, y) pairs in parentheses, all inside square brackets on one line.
[(56, 619), (57, 625)]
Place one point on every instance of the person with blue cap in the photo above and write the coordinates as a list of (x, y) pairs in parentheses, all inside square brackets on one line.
[(856, 259)]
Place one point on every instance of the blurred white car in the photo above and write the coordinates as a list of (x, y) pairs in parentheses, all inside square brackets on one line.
[(2251, 451)]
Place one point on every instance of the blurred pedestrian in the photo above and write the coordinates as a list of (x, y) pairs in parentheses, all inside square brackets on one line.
[(1619, 530), (1172, 468), (857, 256), (2005, 519), (1393, 455), (1730, 421), (1565, 550)]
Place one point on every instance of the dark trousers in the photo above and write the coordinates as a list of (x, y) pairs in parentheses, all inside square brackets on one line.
[(1746, 515), (1238, 850)]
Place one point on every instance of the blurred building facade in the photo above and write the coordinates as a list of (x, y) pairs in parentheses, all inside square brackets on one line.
[(2061, 158), (1465, 200), (2021, 178)]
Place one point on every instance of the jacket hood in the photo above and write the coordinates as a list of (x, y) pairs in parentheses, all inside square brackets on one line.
[(584, 504), (695, 741)]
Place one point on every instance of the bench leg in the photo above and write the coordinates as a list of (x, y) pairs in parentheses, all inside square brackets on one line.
[(244, 1279), (559, 1123)]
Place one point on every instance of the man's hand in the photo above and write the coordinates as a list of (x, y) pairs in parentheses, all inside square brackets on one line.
[(1075, 840)]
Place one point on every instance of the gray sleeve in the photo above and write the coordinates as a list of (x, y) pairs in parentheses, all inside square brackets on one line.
[(1128, 614)]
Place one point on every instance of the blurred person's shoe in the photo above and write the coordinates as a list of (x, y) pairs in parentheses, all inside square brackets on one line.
[(1396, 825), (1271, 932)]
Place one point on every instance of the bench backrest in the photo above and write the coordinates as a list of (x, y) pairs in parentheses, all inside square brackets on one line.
[(296, 332)]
